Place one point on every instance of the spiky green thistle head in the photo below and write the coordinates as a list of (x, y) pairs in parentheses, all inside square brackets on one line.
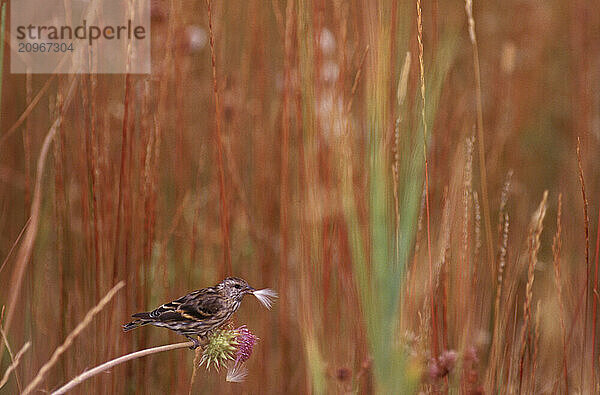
[(220, 348), (229, 347)]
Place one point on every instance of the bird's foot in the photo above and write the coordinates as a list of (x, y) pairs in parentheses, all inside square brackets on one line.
[(195, 341)]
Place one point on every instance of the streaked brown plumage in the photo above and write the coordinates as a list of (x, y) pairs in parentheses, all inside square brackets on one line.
[(199, 312)]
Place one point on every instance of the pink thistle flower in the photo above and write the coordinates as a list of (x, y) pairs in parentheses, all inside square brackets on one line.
[(245, 340)]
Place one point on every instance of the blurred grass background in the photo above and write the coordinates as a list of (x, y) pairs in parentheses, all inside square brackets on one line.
[(310, 179)]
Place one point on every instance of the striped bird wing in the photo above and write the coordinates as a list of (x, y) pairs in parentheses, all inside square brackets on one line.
[(202, 306), (163, 312), (199, 305)]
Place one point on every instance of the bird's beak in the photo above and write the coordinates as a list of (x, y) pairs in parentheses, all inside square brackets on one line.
[(249, 289)]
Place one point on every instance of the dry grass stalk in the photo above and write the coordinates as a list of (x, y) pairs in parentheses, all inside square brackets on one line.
[(27, 245), (556, 247), (442, 269), (498, 275), (497, 314), (14, 245), (444, 241), (533, 245), (400, 96), (502, 260), (422, 79), (586, 220), (14, 363), (475, 269), (226, 268), (467, 195), (23, 117), (501, 215), (480, 131), (477, 218), (71, 337), (536, 347), (197, 357), (9, 350), (357, 78)]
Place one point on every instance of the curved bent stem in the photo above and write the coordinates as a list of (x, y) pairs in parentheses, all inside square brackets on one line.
[(107, 365)]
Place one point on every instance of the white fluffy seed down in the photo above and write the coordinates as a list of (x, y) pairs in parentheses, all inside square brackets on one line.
[(237, 373), (266, 296)]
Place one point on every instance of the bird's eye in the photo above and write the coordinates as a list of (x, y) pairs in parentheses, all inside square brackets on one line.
[(238, 286)]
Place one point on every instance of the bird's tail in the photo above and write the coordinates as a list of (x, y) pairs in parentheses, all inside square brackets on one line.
[(134, 324)]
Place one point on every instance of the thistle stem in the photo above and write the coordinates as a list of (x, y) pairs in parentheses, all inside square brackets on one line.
[(107, 365)]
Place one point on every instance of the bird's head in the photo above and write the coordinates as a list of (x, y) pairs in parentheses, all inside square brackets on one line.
[(235, 288)]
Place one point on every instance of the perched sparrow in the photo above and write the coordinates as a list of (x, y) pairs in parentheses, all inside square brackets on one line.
[(200, 312)]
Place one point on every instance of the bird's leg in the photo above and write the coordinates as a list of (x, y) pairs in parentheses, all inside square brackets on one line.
[(195, 341), (203, 340)]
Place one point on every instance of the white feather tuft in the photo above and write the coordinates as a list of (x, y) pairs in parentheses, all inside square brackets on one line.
[(266, 296), (237, 373)]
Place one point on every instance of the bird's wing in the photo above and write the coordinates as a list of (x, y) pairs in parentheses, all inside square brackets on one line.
[(198, 305), (204, 305)]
